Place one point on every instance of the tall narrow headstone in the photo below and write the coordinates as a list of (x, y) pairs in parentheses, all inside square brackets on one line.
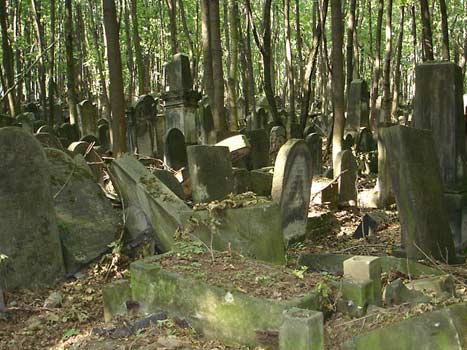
[(28, 229), (259, 153), (291, 187), (104, 135), (315, 145), (181, 101), (210, 172), (438, 107), (175, 149), (357, 106), (206, 125), (87, 118), (346, 166), (277, 138), (418, 187), (144, 115)]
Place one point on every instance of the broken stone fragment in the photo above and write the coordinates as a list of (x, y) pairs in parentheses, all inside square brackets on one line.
[(301, 330), (397, 293)]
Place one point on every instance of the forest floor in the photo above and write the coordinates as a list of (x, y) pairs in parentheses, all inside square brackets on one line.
[(79, 321)]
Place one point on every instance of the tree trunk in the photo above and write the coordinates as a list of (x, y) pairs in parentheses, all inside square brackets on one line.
[(337, 77), (299, 46), (414, 35), (186, 31), (250, 72), (40, 37), (445, 29), (398, 67), (377, 70), (172, 7), (290, 71), (7, 60), (114, 59), (387, 98), (233, 68), (427, 36), (207, 56), (350, 45), (129, 52), (70, 63), (51, 83), (142, 84)]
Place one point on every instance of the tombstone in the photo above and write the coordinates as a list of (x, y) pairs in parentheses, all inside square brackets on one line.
[(68, 133), (365, 141), (49, 140), (26, 121), (241, 107), (180, 100), (346, 166), (260, 119), (277, 138), (84, 149), (315, 145), (438, 107), (241, 180), (86, 220), (142, 116), (46, 129), (103, 132), (418, 187), (38, 124), (28, 230), (206, 125), (169, 179), (160, 133), (87, 118), (259, 153), (175, 149), (291, 187), (348, 142), (357, 106), (210, 172), (238, 145), (90, 139)]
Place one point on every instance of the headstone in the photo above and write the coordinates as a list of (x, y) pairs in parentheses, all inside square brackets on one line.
[(210, 172), (348, 142), (261, 182), (87, 121), (28, 230), (259, 153), (68, 133), (49, 140), (365, 141), (241, 106), (291, 187), (26, 121), (357, 106), (438, 107), (260, 119), (346, 165), (315, 145), (180, 100), (418, 187), (104, 135), (206, 125), (241, 180), (86, 221), (169, 179), (277, 138), (46, 128), (175, 149), (144, 115), (238, 145), (94, 160)]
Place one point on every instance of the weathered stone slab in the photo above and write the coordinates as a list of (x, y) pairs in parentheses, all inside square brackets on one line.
[(357, 106), (49, 140), (277, 138), (241, 180), (175, 155), (347, 166), (259, 153), (291, 187), (178, 74), (253, 231), (315, 145), (302, 330), (210, 172), (261, 182), (144, 111), (87, 113), (437, 330), (140, 188), (28, 229), (170, 181), (417, 185), (86, 221)]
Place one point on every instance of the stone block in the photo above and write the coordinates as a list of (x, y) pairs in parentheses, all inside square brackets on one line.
[(261, 182), (396, 293), (302, 330), (169, 179), (115, 296), (241, 180), (356, 296), (440, 286), (365, 268), (259, 152)]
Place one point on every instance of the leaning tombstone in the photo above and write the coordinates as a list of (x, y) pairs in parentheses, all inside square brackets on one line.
[(28, 228), (175, 149), (86, 220), (291, 187), (315, 145), (346, 167), (181, 101), (94, 160), (49, 140), (438, 107), (211, 174), (277, 138), (418, 187), (144, 111), (87, 121)]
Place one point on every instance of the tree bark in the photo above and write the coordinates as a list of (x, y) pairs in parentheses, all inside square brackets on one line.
[(172, 7), (129, 52), (207, 56), (427, 36), (299, 46), (337, 76), (290, 71), (445, 29), (414, 35), (142, 83), (51, 82), (233, 68), (397, 67), (387, 98), (350, 45), (40, 37), (7, 60), (377, 70), (70, 63), (114, 59)]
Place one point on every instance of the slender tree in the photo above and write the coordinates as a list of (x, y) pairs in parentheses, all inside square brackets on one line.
[(427, 35), (445, 29), (397, 66), (70, 63), (7, 59), (387, 97)]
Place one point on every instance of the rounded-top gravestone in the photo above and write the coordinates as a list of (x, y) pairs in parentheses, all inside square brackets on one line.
[(175, 149), (28, 228), (291, 187), (277, 138), (315, 145), (346, 166)]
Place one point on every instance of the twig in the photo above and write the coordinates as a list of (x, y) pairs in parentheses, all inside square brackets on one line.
[(331, 183)]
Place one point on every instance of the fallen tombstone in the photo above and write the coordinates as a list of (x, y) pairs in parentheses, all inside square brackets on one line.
[(28, 229), (291, 187), (86, 221), (440, 286), (369, 224), (346, 167), (301, 330), (423, 215), (248, 225), (138, 187), (217, 312), (396, 293), (437, 330), (49, 140), (139, 236), (169, 179), (238, 146)]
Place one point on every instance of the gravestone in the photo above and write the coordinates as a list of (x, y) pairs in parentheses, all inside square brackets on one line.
[(291, 187), (89, 153), (315, 145), (277, 138), (438, 107), (259, 153), (206, 125), (260, 119), (143, 115), (49, 140), (357, 106), (241, 106), (26, 121), (169, 179), (67, 133), (28, 228), (46, 128), (346, 165), (180, 100), (86, 221), (418, 187), (348, 142), (211, 174), (87, 121), (365, 141), (175, 149), (241, 180), (104, 135)]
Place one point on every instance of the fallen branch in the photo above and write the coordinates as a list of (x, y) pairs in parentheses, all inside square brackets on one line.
[(329, 184)]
